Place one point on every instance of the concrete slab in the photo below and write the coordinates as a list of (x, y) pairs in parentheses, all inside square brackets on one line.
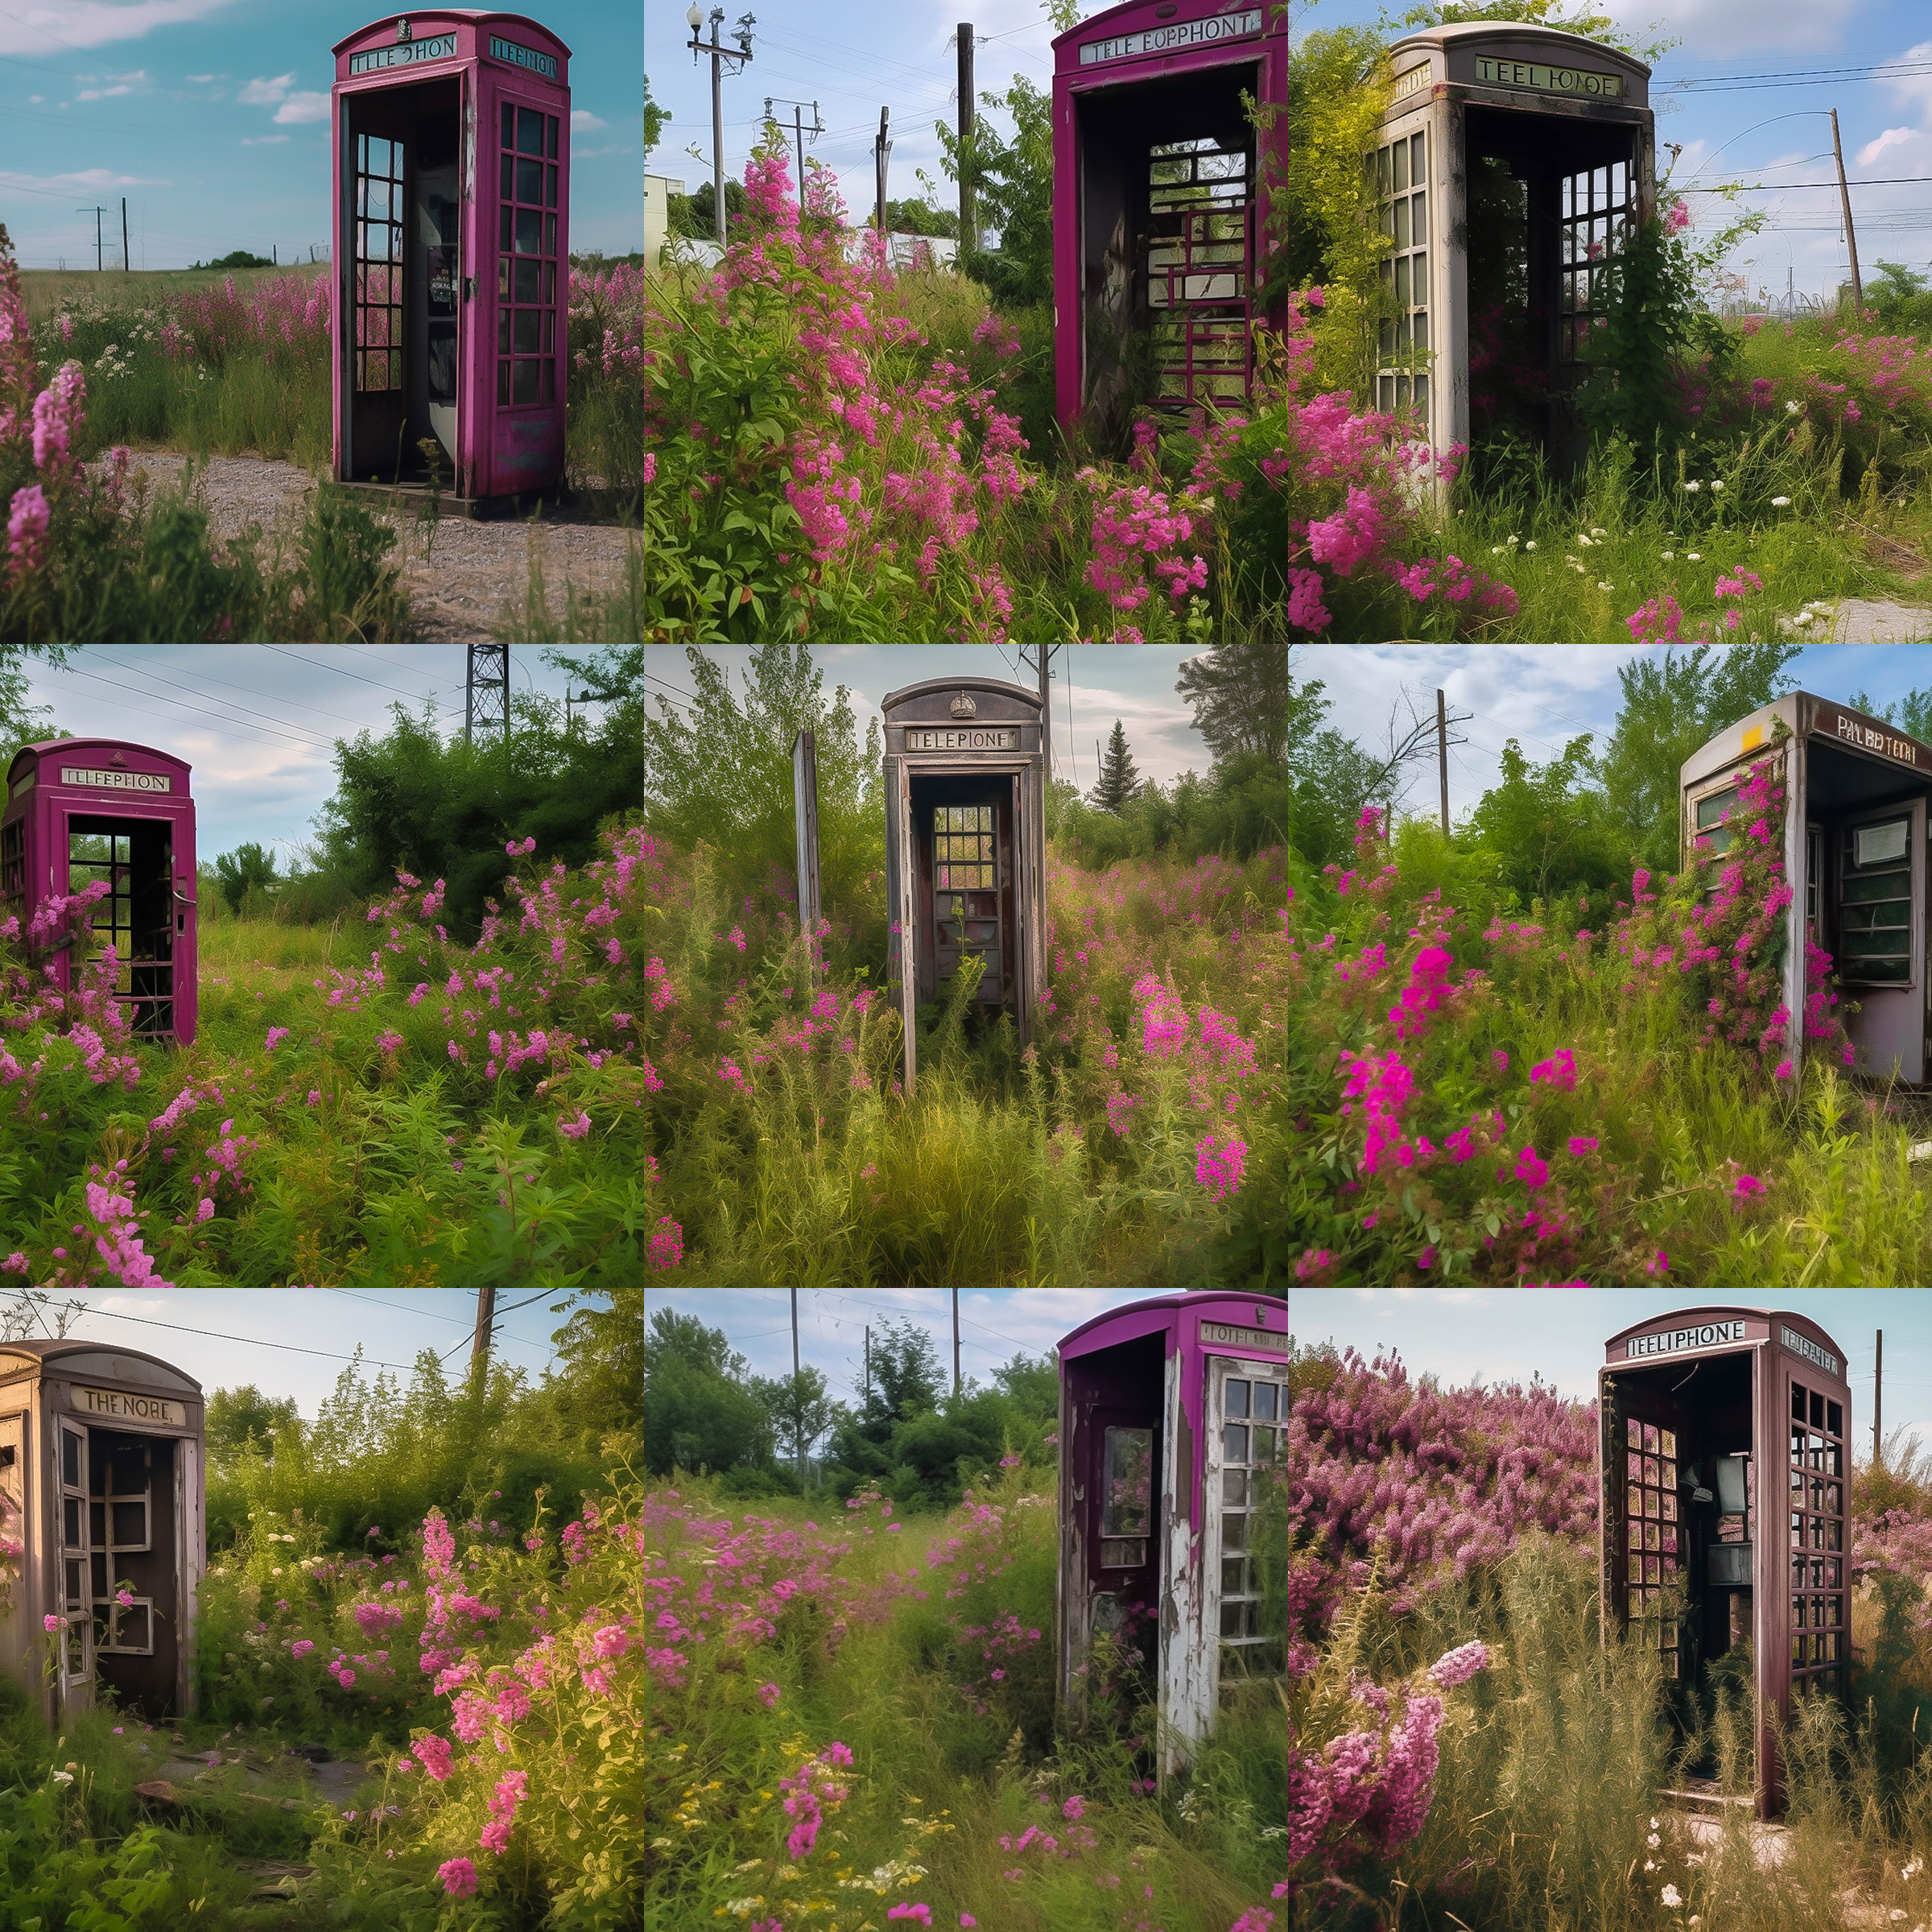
[(1863, 620)]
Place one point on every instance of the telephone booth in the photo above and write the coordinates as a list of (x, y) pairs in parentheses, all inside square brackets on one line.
[(102, 1496), (965, 845), (1854, 856), (1171, 1413), (83, 810), (451, 146), (1159, 211), (1726, 1466), (1511, 165)]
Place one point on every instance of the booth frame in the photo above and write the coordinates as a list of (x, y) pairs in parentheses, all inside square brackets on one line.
[(1786, 731), (1775, 1365)]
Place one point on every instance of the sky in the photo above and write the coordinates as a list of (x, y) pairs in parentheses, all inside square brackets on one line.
[(296, 1341), (212, 118), (258, 723), (1741, 64), (1460, 1335)]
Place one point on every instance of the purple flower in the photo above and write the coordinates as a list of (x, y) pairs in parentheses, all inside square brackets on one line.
[(459, 1877), (1458, 1666)]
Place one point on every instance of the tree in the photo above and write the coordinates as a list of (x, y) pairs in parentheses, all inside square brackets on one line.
[(698, 1413), (1912, 714), (800, 1411), (1118, 777), (1545, 826), (1532, 13), (1245, 699), (655, 115), (905, 1375), (242, 1419), (248, 867), (1669, 707), (1013, 194), (918, 216), (1032, 1383), (695, 214), (20, 722)]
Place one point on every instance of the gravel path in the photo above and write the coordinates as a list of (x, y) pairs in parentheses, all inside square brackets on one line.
[(460, 589)]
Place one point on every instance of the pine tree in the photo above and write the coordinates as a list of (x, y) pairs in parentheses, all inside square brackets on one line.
[(1118, 778)]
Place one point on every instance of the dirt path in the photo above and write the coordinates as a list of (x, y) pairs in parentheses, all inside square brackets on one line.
[(460, 588)]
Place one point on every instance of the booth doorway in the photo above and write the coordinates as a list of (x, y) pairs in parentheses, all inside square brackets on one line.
[(134, 859), (962, 829), (403, 348)]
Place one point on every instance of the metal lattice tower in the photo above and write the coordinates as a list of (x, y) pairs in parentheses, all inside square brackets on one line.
[(487, 700)]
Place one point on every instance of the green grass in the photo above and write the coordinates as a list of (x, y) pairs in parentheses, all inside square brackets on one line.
[(47, 290)]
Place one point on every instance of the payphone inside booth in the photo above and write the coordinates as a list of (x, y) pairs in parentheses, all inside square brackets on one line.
[(1725, 1460), (451, 140), (1172, 1414), (1855, 855), (1510, 168), (965, 802), (79, 812), (102, 1485), (1159, 212)]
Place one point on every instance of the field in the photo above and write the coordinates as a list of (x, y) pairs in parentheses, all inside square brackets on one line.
[(48, 291), (1254, 1073), (1447, 1744)]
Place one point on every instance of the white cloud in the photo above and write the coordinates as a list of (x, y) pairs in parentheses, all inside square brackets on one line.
[(262, 140), (584, 121), (1721, 27), (1914, 89), (42, 26), (103, 93), (199, 79), (83, 178), (34, 100), (298, 108), (1893, 136), (264, 93)]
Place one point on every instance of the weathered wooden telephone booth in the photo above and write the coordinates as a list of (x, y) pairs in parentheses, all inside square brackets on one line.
[(451, 142), (1171, 1413), (1159, 208), (1725, 1458), (965, 844), (1854, 856), (102, 1491), (1509, 168), (83, 810)]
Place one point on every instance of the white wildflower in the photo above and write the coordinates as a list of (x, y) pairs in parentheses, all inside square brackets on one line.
[(1669, 556), (1694, 556), (1804, 617), (1606, 586), (1694, 486), (1531, 544), (1672, 1898), (1654, 1841), (1717, 484), (1791, 409), (1595, 532), (1780, 502)]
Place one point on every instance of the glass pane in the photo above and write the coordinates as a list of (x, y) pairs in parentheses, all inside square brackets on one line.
[(524, 382), (1650, 1474), (529, 181), (502, 332), (98, 1560), (550, 136), (1880, 844), (1635, 1431), (524, 337), (1234, 1402), (550, 234), (1634, 1500), (529, 131), (1233, 1623), (96, 1524), (1636, 1603), (503, 221), (70, 1458), (509, 179), (528, 281), (1398, 179), (503, 383), (1636, 1534), (529, 232), (1651, 1573), (1234, 1488), (76, 1650), (1123, 1552), (1667, 1441), (130, 1525), (1652, 1535), (133, 1633), (1834, 1419), (550, 281), (1670, 1506), (509, 125), (1234, 1533), (1234, 1576), (1234, 1444), (1669, 1478), (72, 1525), (1417, 171), (1129, 1477), (1264, 1444), (502, 278)]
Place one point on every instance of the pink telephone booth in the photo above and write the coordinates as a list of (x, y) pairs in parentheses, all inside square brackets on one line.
[(79, 810), (451, 157)]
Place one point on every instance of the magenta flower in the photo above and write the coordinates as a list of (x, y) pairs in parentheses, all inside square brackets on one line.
[(1559, 1070), (1532, 1170), (26, 531), (1458, 1666), (1658, 1266), (50, 1622), (770, 1693), (666, 1243), (916, 1910), (1218, 1167), (1746, 1186), (459, 1877), (1581, 1143)]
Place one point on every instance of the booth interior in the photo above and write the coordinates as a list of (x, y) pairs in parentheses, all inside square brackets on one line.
[(1546, 215), (1859, 814), (131, 1540), (1167, 241), (404, 146), (1689, 1502), (134, 858), (962, 831)]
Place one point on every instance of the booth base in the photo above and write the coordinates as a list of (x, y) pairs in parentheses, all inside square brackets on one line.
[(481, 510)]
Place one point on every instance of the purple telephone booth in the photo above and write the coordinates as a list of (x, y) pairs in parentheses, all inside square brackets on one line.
[(1171, 1411), (1159, 207), (451, 156), (79, 810)]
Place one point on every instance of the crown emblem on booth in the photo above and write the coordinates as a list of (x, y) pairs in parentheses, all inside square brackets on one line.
[(402, 32), (963, 706)]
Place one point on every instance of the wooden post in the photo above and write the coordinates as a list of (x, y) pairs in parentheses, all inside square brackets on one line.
[(1442, 752), (955, 1341), (486, 1315), (805, 815), (1878, 1400), (968, 240), (1844, 202)]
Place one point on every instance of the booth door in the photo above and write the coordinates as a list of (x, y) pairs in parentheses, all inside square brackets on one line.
[(132, 1555), (1881, 937), (76, 1660), (1818, 1477), (971, 849), (377, 405), (1124, 1577), (134, 859), (908, 928), (1247, 1403)]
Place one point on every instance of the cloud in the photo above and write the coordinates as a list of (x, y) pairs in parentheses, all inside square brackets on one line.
[(34, 100), (262, 140), (584, 121), (103, 93), (83, 178), (265, 93), (1893, 136), (200, 80), (41, 25), (1915, 88), (299, 107), (1720, 27)]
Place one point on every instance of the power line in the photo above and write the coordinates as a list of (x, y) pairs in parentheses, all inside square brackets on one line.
[(235, 731), (281, 651), (141, 671), (249, 1341)]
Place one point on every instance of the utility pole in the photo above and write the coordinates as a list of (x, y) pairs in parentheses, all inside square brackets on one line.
[(797, 1427), (1844, 202), (486, 700), (1441, 750), (96, 212), (486, 1316), (882, 153), (800, 135), (968, 240), (1046, 656), (127, 261), (1878, 1403), (956, 1343), (868, 1368), (741, 54)]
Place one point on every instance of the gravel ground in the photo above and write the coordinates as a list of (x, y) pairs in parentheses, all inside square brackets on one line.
[(457, 592)]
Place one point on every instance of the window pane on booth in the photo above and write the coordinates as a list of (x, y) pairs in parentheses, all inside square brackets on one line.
[(1128, 1466), (529, 130), (524, 382), (130, 1525)]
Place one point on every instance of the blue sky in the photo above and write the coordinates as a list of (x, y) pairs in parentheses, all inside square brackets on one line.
[(258, 722), (1461, 1335), (1749, 61), (212, 118), (295, 1341)]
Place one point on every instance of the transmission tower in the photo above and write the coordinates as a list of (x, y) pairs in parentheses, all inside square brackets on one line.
[(487, 701)]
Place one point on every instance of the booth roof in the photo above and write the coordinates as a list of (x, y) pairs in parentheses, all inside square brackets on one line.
[(75, 745), (50, 1351), (456, 13), (927, 685), (1720, 1311), (1188, 1297), (1554, 38)]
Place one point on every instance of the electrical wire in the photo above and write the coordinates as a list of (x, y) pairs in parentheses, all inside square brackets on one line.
[(215, 1335), (234, 731)]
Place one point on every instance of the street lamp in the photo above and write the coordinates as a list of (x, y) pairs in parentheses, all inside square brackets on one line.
[(694, 15)]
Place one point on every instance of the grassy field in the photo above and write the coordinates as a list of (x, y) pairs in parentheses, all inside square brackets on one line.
[(48, 291)]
